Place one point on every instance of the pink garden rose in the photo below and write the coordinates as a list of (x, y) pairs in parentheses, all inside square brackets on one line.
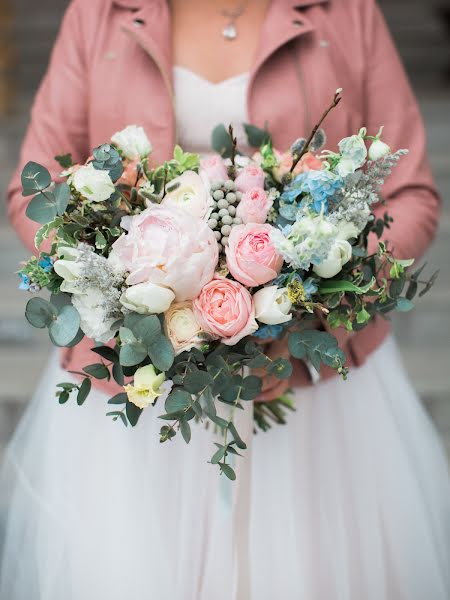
[(251, 256), (214, 167), (167, 247), (254, 206), (308, 162), (224, 308), (250, 177)]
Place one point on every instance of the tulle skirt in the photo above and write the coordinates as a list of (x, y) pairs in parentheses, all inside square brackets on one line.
[(349, 501)]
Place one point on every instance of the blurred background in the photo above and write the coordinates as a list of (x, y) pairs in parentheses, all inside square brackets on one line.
[(421, 29)]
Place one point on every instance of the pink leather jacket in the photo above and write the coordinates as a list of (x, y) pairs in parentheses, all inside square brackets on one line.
[(111, 66)]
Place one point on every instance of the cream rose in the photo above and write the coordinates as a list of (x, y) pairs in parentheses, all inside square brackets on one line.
[(93, 184), (190, 192), (272, 305), (182, 328), (339, 255), (133, 142), (147, 298)]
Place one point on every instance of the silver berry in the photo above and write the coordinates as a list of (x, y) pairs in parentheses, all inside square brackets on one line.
[(222, 203), (231, 197), (225, 230), (223, 212), (218, 235), (216, 185), (224, 240), (212, 223), (229, 184), (218, 195), (232, 210), (214, 215), (238, 196), (227, 220)]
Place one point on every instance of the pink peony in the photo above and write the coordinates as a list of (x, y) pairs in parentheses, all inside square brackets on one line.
[(214, 167), (167, 247), (225, 309), (251, 256), (254, 206), (250, 177)]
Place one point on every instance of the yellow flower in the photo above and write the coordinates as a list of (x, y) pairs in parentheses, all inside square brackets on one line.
[(148, 387)]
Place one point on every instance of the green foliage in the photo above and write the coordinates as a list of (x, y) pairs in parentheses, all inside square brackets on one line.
[(35, 178), (256, 137), (107, 158), (43, 233), (65, 326), (42, 208), (280, 368), (317, 346), (221, 141), (83, 391), (39, 312), (97, 370), (64, 160), (142, 337)]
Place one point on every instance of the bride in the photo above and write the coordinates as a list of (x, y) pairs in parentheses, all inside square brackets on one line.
[(350, 500)]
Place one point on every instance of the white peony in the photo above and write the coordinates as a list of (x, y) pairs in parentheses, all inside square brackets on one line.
[(190, 192), (272, 305), (133, 142), (182, 328), (339, 255), (94, 321), (93, 184), (147, 298)]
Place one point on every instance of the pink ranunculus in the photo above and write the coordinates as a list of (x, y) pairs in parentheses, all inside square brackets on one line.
[(309, 162), (254, 206), (167, 247), (225, 309), (251, 256), (130, 173), (214, 167), (249, 177)]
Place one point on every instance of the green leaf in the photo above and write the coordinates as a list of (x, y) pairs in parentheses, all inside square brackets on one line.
[(178, 400), (100, 240), (161, 353), (132, 321), (251, 387), (76, 340), (228, 471), (64, 160), (258, 361), (35, 178), (221, 141), (116, 414), (256, 137), (117, 373), (43, 232), (218, 455), (362, 316), (64, 328), (148, 330), (281, 368), (83, 391), (39, 312), (106, 352), (133, 413), (317, 346), (63, 397), (132, 354), (404, 305), (42, 208), (62, 197), (97, 370), (120, 398), (196, 381), (185, 429), (127, 336), (236, 437), (333, 286)]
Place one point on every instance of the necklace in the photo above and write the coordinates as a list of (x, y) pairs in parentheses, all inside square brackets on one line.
[(230, 32)]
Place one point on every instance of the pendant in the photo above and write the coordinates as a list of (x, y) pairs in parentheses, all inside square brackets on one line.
[(229, 32)]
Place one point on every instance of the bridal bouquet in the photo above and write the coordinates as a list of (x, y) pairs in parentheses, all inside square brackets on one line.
[(180, 271)]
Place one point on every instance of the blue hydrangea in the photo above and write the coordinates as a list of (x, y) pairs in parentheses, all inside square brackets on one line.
[(269, 331), (320, 185), (46, 264), (24, 283)]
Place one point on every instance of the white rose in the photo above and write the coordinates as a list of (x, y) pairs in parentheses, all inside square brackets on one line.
[(190, 192), (147, 298), (378, 149), (272, 305), (94, 322), (133, 142), (95, 185), (68, 268), (182, 328), (339, 255)]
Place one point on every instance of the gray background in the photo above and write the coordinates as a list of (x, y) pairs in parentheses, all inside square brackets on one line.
[(422, 33)]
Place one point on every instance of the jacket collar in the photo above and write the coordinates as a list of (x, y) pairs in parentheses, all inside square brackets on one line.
[(138, 4)]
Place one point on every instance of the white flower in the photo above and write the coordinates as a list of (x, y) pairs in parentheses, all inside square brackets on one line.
[(148, 387), (182, 328), (94, 321), (147, 298), (353, 153), (94, 184), (272, 305), (346, 230), (378, 149), (339, 255), (133, 142), (190, 192), (69, 268)]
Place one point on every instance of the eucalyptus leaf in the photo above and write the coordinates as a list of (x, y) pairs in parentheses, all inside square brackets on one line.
[(39, 312), (251, 387), (161, 353), (133, 413), (185, 429), (404, 305), (178, 400), (256, 137), (281, 368), (83, 391), (62, 197), (132, 354), (42, 208), (148, 330), (35, 178), (64, 328), (97, 370), (106, 352), (196, 381), (228, 471), (120, 398), (221, 141)]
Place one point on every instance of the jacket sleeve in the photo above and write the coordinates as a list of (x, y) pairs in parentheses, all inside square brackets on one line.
[(58, 118), (412, 199)]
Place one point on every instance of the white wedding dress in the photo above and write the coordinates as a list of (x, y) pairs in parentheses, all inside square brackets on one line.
[(349, 501)]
